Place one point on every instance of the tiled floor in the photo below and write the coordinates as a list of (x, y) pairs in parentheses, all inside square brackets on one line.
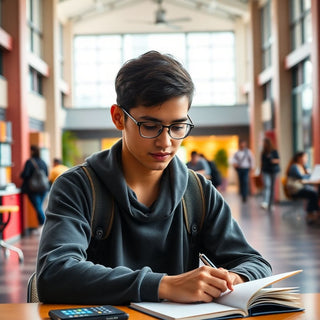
[(15, 275), (281, 236)]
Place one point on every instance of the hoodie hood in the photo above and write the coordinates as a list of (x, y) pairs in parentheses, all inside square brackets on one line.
[(107, 166)]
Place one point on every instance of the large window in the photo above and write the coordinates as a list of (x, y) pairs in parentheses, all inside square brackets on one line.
[(266, 35), (97, 59), (34, 19), (211, 63), (209, 57), (301, 31), (302, 106)]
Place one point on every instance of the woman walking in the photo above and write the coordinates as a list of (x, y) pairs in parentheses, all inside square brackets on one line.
[(269, 168), (35, 197)]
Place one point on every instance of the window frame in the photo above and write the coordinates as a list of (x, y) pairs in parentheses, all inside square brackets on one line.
[(301, 114), (35, 81), (34, 24), (300, 19), (266, 36)]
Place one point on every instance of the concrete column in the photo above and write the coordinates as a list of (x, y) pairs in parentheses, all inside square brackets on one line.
[(282, 83), (68, 60), (315, 58), (241, 58), (51, 85), (16, 72), (255, 93)]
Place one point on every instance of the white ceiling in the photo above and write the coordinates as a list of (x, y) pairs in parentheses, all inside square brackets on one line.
[(129, 16)]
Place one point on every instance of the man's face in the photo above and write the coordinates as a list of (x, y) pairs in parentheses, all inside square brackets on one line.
[(153, 154), (242, 145), (195, 158)]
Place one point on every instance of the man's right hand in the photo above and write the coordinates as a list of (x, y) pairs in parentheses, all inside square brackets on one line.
[(199, 285)]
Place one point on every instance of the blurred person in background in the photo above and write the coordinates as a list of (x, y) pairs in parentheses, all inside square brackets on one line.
[(198, 164), (57, 169), (297, 187), (269, 169), (243, 162), (36, 198), (214, 175)]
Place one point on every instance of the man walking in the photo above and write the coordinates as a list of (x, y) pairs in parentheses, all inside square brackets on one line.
[(243, 162)]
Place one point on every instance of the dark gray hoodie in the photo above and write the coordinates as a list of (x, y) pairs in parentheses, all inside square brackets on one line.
[(144, 243)]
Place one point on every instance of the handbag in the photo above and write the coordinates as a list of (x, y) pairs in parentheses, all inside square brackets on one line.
[(38, 182), (293, 185)]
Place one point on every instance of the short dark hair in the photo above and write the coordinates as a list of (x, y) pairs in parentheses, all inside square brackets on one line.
[(298, 155), (35, 151), (295, 159), (57, 161), (152, 79)]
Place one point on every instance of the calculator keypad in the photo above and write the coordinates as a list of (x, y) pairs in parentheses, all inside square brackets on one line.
[(82, 312)]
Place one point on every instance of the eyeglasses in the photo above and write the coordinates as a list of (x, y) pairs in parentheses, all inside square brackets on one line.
[(153, 129)]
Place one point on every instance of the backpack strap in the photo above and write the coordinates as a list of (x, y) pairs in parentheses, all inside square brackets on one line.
[(102, 206), (194, 213), (194, 205), (34, 163)]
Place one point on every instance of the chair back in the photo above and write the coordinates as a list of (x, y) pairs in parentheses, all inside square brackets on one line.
[(32, 293)]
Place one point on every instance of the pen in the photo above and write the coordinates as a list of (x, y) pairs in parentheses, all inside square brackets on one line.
[(206, 260)]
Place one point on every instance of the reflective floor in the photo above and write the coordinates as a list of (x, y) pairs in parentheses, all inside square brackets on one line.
[(281, 236)]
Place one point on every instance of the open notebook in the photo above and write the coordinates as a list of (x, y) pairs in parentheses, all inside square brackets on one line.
[(247, 299)]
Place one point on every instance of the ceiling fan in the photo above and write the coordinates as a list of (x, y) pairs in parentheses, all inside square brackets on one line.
[(161, 19)]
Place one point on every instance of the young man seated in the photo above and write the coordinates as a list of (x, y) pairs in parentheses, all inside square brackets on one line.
[(149, 254)]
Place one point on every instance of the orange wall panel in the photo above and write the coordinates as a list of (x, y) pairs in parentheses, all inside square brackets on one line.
[(3, 131)]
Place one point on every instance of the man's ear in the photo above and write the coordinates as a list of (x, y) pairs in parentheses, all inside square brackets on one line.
[(117, 116)]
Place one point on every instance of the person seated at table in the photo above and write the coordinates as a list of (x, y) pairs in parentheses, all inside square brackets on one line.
[(149, 254), (198, 164), (57, 169), (297, 187)]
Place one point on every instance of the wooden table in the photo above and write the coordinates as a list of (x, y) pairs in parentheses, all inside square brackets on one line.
[(38, 311)]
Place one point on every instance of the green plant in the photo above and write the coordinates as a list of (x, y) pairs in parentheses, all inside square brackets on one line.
[(70, 151), (221, 161)]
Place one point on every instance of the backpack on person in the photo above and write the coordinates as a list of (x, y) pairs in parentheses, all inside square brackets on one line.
[(38, 182), (103, 206), (216, 178)]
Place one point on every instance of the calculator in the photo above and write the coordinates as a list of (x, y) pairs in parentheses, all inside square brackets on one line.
[(89, 313)]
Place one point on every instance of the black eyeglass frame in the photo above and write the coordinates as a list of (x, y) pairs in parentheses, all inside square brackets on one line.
[(139, 123)]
